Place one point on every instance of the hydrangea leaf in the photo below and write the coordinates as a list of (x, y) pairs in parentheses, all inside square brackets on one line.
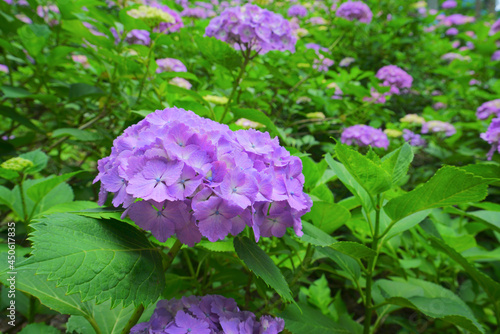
[(328, 216), (397, 163), (431, 299), (491, 287), (449, 186), (348, 180), (39, 190), (261, 264), (305, 319), (316, 236), (353, 249), (218, 52), (346, 263), (371, 176), (110, 260), (39, 160), (257, 116), (77, 134), (39, 328)]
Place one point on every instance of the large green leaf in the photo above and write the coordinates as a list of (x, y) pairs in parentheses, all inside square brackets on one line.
[(218, 52), (109, 260), (316, 236), (353, 249), (349, 181), (491, 287), (347, 263), (328, 216), (261, 264), (431, 299), (41, 189), (38, 158), (39, 328), (449, 186), (370, 175), (77, 134), (305, 319), (397, 163)]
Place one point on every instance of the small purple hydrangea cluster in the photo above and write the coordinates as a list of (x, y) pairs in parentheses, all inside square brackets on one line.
[(322, 63), (489, 108), (251, 27), (492, 136), (355, 11), (170, 65), (495, 27), (439, 127), (413, 138), (297, 11), (448, 4), (364, 135), (211, 314), (168, 27), (198, 178), (395, 77)]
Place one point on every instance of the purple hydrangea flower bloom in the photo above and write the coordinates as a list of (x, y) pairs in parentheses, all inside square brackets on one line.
[(50, 14), (489, 108), (395, 78), (4, 68), (448, 4), (412, 138), (346, 61), (251, 27), (196, 12), (439, 126), (167, 27), (455, 19), (376, 97), (322, 64), (495, 27), (135, 36), (355, 11), (496, 56), (211, 314), (180, 82), (492, 136), (364, 135), (170, 65), (439, 105), (178, 173), (452, 31), (297, 11)]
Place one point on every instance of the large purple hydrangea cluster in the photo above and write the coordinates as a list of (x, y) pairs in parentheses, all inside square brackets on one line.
[(170, 65), (489, 108), (355, 11), (492, 136), (198, 178), (394, 77), (364, 135), (211, 314), (251, 27)]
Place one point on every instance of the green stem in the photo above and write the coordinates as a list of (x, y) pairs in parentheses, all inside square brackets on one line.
[(23, 199), (141, 87), (32, 309), (371, 267), (171, 254), (94, 325), (246, 59), (133, 319)]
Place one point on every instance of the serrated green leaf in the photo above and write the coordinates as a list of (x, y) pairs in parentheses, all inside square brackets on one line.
[(449, 186), (261, 264), (39, 190), (431, 299), (372, 177), (315, 236), (349, 181), (353, 249), (397, 163), (491, 287), (111, 260), (328, 216), (305, 319), (38, 158), (218, 52)]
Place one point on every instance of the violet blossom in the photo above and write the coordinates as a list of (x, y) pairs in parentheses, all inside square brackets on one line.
[(346, 61), (495, 27), (394, 77), (364, 135), (438, 127), (251, 27), (413, 139), (170, 65), (492, 136), (210, 314), (297, 11), (488, 108), (496, 56), (198, 178), (448, 4), (355, 11)]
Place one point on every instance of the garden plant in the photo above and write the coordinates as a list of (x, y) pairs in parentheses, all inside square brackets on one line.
[(249, 167)]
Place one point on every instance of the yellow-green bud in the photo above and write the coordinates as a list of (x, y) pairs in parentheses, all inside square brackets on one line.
[(216, 99), (17, 164), (393, 133)]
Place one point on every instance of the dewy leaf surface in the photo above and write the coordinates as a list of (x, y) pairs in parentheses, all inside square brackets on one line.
[(449, 186), (98, 259), (261, 264)]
